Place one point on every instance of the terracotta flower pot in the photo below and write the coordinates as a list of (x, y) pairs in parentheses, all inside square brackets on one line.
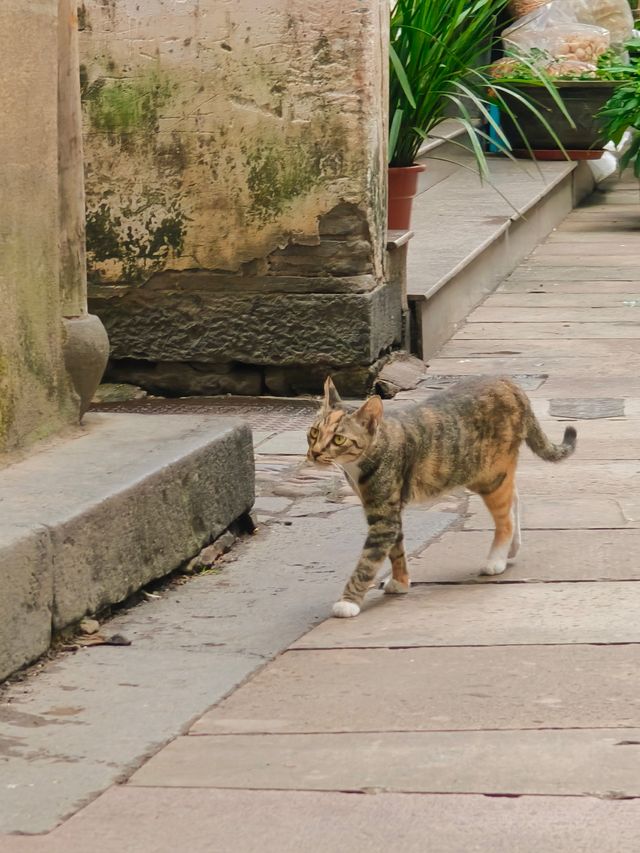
[(403, 185)]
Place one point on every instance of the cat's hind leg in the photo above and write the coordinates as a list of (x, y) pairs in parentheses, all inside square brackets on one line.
[(399, 582), (500, 505), (517, 533)]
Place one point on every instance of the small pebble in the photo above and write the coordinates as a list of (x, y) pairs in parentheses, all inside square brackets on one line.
[(117, 640)]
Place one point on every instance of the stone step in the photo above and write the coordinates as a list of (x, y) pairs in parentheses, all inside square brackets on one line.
[(441, 153), (468, 238), (89, 520)]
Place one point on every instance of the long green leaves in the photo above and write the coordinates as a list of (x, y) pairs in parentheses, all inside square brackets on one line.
[(435, 43), (435, 59)]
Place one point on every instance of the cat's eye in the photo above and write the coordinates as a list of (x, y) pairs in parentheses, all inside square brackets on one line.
[(339, 439), (313, 433)]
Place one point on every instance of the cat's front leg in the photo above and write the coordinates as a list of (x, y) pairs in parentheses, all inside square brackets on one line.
[(399, 582), (382, 535)]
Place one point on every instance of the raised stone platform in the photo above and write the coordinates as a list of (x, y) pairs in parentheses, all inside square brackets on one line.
[(468, 235), (89, 520)]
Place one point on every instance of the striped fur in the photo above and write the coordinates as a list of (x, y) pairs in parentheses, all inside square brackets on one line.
[(469, 435)]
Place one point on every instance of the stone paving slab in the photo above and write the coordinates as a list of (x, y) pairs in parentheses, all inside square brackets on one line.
[(488, 615), (585, 387), (574, 367), (80, 725), (585, 512), (620, 196), (555, 285), (548, 331), (596, 208), (460, 347), (584, 315), (579, 476), (575, 272), (599, 225), (608, 249), (574, 762), (161, 820), (288, 443), (436, 689), (553, 298), (604, 258), (545, 555), (542, 404), (611, 236)]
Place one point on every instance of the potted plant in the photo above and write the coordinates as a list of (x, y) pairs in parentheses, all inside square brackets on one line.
[(584, 95), (434, 50)]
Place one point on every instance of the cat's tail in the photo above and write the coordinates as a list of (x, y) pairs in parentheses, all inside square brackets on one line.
[(538, 442)]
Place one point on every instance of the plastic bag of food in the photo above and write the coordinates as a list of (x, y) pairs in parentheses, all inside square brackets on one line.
[(613, 15), (520, 8), (554, 31), (535, 30), (567, 69), (570, 68), (582, 42), (505, 67)]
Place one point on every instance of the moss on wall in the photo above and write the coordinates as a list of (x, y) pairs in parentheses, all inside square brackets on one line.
[(124, 106), (7, 400), (137, 240), (236, 142), (279, 171)]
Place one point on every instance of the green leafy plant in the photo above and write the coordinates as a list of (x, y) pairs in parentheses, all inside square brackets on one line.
[(620, 114), (435, 47)]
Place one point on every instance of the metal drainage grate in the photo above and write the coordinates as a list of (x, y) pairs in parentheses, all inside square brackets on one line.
[(587, 408), (260, 413)]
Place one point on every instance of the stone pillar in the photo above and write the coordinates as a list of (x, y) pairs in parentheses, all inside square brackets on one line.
[(235, 178), (36, 397), (86, 346)]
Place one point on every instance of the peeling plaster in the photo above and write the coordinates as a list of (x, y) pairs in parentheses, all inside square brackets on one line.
[(211, 143)]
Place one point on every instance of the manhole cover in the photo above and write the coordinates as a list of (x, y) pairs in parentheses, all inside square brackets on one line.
[(527, 381), (259, 413), (587, 408)]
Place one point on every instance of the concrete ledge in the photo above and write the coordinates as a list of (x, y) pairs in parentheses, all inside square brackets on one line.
[(455, 260), (87, 522)]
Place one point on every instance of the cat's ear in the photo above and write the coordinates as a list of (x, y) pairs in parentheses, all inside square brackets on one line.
[(331, 396), (370, 413)]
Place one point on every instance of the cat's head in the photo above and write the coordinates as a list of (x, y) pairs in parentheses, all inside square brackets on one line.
[(339, 435)]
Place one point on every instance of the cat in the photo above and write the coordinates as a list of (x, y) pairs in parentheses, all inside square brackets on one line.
[(468, 435)]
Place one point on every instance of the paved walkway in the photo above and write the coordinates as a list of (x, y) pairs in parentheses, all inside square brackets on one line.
[(500, 715)]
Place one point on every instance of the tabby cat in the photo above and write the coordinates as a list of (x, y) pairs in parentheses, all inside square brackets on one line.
[(468, 435)]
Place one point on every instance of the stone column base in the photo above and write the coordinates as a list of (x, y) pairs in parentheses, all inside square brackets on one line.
[(86, 351)]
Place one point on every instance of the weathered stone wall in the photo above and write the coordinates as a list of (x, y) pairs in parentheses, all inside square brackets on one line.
[(235, 165), (35, 394)]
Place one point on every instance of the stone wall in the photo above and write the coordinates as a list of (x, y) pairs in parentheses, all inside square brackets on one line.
[(235, 174), (36, 397)]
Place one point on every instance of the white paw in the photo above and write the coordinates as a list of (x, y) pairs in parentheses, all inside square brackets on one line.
[(345, 609), (394, 587), (495, 566)]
